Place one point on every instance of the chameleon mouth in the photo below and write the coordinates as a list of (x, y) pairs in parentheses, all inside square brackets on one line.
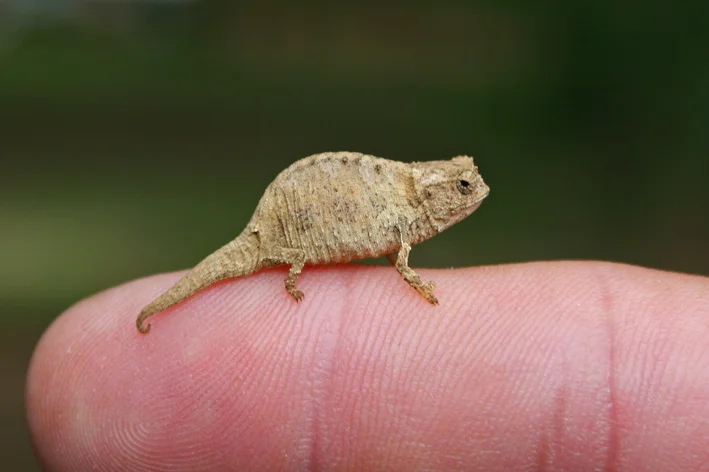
[(475, 205), (482, 193)]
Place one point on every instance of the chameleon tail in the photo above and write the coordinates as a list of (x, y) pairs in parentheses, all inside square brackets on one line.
[(237, 258)]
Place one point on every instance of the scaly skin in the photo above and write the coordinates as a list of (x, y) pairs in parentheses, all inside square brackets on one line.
[(339, 207)]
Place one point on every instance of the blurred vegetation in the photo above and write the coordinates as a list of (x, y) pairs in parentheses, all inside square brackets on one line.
[(128, 131)]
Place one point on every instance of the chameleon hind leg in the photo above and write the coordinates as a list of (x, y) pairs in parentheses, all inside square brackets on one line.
[(295, 258)]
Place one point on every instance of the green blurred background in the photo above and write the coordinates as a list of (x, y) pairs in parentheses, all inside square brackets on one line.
[(129, 130)]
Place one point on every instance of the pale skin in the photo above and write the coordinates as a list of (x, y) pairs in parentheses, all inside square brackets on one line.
[(338, 207), (540, 366)]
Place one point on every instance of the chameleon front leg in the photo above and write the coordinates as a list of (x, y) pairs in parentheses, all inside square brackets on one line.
[(295, 258), (412, 278)]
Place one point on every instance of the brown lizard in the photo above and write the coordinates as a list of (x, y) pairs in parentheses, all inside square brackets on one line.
[(337, 207)]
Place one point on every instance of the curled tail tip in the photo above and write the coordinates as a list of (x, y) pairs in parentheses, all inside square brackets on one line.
[(144, 329)]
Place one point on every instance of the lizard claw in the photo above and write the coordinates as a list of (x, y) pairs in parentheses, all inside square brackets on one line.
[(298, 295), (426, 290)]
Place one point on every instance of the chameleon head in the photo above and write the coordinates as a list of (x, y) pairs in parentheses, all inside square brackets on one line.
[(449, 190)]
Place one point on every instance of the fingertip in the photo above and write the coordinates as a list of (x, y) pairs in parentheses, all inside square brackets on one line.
[(511, 359), (98, 394)]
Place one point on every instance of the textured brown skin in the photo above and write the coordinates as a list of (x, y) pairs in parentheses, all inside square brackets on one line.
[(338, 207)]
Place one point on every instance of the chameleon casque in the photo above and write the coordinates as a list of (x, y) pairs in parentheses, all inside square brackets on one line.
[(337, 207)]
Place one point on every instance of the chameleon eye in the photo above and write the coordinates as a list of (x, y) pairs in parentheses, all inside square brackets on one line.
[(464, 187)]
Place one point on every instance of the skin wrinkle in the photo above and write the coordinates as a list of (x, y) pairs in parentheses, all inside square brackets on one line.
[(613, 448), (553, 439), (326, 353), (607, 301), (611, 307), (561, 394)]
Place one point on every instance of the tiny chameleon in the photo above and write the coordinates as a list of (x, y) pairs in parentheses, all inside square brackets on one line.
[(337, 207)]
